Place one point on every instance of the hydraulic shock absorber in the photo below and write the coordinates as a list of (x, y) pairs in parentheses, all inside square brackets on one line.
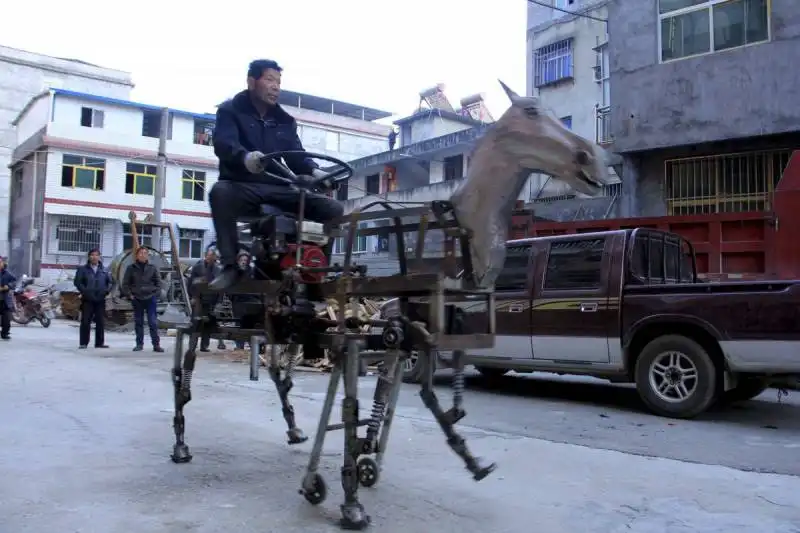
[(186, 380), (392, 339), (458, 380)]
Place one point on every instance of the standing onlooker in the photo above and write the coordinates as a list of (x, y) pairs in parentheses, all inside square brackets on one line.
[(142, 284), (206, 269), (243, 260), (94, 284), (7, 283)]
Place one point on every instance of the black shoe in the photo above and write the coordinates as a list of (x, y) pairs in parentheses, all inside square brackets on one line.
[(205, 349), (229, 276), (102, 346), (6, 337), (138, 348), (158, 349), (83, 346)]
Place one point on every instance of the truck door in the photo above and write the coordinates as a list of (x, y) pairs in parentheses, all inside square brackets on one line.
[(571, 308), (513, 307)]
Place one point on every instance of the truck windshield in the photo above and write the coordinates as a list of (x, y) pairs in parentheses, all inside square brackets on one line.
[(659, 257)]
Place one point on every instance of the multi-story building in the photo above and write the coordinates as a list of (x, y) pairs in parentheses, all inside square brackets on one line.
[(703, 101), (567, 63), (25, 74), (84, 161)]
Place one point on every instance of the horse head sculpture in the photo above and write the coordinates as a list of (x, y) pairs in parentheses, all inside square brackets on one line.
[(526, 139)]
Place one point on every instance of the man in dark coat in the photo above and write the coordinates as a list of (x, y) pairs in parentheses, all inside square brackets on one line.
[(7, 283), (142, 285), (249, 126), (207, 270), (94, 284)]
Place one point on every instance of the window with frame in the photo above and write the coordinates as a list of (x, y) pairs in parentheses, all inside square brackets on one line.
[(692, 27), (79, 172), (145, 235), (190, 243), (140, 179), (204, 132), (453, 167), (76, 234), (18, 183), (151, 124), (514, 276), (552, 63), (575, 264), (359, 243), (193, 185), (92, 118), (372, 184), (567, 121)]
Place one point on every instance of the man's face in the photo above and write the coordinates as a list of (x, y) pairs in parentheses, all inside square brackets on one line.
[(267, 88), (244, 261), (2, 264), (211, 257), (142, 255), (94, 258)]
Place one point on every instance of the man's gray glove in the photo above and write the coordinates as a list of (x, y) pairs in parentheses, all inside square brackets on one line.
[(318, 174), (252, 162)]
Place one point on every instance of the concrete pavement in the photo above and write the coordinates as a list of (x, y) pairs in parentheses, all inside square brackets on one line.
[(86, 438)]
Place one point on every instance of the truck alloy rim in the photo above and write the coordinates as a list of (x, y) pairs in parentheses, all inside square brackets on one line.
[(673, 376)]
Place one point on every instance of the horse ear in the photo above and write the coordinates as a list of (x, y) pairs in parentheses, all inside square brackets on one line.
[(514, 97)]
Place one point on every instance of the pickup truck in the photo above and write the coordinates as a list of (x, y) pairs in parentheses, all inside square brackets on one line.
[(627, 306)]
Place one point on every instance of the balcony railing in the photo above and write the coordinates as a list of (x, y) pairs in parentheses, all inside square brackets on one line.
[(603, 126), (203, 138)]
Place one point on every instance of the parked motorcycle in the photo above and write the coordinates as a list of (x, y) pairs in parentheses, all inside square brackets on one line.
[(31, 304)]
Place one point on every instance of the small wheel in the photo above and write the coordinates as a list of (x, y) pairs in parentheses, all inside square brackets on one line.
[(368, 472), (45, 322), (318, 493)]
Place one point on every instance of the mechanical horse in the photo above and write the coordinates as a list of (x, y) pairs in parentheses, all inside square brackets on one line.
[(438, 311)]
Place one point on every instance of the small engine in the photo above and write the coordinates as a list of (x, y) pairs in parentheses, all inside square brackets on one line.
[(311, 256)]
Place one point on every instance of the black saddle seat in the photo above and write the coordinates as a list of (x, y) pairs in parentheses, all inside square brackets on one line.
[(272, 220)]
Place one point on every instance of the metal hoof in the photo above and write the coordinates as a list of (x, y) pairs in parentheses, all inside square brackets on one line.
[(317, 492), (368, 472), (180, 454), (354, 518), (483, 471), (296, 436)]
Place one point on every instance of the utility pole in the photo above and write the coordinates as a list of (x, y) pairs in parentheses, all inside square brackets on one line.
[(161, 175)]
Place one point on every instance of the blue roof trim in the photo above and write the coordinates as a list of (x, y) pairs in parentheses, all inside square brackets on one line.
[(128, 103), (423, 148)]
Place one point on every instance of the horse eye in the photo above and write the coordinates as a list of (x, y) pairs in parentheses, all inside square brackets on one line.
[(532, 111)]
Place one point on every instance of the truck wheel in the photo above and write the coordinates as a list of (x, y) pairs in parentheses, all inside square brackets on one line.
[(747, 389), (675, 377), (490, 372)]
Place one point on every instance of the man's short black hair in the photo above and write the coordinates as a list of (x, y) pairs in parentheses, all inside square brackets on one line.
[(257, 68), (94, 250)]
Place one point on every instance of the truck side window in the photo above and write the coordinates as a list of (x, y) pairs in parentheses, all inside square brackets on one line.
[(575, 264), (514, 275), (656, 259)]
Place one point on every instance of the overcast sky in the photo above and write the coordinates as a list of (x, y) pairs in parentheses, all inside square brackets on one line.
[(192, 55)]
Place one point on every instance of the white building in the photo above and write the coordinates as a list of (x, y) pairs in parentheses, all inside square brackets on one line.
[(567, 63), (84, 161), (25, 74)]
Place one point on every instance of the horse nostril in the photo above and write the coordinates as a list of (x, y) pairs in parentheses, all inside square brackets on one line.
[(583, 157)]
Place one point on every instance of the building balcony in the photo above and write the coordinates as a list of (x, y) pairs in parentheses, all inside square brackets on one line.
[(603, 126)]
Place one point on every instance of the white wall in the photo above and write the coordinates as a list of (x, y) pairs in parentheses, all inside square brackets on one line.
[(433, 126)]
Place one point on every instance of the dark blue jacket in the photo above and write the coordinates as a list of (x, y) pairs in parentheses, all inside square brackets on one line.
[(240, 129), (9, 280), (93, 286)]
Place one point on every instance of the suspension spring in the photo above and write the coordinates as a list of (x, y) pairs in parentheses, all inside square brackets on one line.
[(378, 409), (291, 363), (186, 382), (458, 387)]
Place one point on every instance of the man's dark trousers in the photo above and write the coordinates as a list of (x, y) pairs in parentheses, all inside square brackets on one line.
[(148, 307), (5, 320), (233, 199), (93, 311)]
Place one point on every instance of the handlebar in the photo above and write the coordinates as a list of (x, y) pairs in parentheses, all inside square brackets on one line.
[(332, 178)]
